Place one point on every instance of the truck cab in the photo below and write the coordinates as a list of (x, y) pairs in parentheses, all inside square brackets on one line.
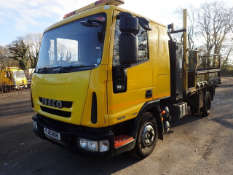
[(12, 78)]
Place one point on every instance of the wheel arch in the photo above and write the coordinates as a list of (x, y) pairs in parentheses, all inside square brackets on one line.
[(154, 108), (211, 90)]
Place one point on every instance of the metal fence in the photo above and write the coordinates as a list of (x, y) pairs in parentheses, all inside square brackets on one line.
[(198, 62), (10, 90), (209, 62)]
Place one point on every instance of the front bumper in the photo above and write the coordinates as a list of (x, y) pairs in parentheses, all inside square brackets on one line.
[(17, 87), (70, 133)]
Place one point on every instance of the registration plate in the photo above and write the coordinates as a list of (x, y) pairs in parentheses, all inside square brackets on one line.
[(52, 134)]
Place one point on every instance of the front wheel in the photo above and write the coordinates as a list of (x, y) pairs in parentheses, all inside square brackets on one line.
[(207, 105), (5, 89), (147, 136)]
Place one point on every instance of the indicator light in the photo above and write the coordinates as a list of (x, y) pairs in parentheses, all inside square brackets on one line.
[(100, 1), (69, 14), (103, 146), (93, 5), (35, 125)]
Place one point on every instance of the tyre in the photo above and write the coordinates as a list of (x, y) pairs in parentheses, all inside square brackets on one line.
[(5, 89), (193, 110), (147, 137), (205, 111)]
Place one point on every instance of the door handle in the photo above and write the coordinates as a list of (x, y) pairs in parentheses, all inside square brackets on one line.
[(149, 93)]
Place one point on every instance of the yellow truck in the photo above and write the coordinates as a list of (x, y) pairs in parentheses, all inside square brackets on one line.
[(109, 81), (12, 78)]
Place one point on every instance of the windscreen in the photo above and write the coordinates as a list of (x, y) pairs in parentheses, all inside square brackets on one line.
[(77, 45), (18, 74)]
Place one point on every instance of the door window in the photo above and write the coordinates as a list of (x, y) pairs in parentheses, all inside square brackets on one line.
[(143, 51)]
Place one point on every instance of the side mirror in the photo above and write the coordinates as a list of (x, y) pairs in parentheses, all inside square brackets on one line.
[(128, 23), (128, 42), (128, 48)]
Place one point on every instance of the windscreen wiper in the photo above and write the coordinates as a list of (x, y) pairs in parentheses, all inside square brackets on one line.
[(47, 69), (73, 67)]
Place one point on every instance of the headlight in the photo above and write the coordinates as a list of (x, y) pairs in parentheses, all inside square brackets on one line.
[(93, 146), (88, 144), (83, 143), (35, 125)]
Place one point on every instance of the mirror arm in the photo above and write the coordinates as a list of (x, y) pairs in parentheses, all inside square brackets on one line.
[(123, 66), (169, 35), (178, 31), (145, 23)]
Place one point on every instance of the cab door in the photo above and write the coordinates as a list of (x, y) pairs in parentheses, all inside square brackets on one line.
[(5, 77), (128, 89)]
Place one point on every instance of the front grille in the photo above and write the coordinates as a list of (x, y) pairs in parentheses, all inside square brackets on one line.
[(56, 112), (66, 104), (59, 125)]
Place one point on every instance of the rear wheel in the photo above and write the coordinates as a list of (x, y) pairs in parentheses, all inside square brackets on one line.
[(146, 137), (193, 110), (207, 105)]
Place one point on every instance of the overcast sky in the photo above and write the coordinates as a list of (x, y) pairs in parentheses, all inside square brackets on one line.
[(19, 17)]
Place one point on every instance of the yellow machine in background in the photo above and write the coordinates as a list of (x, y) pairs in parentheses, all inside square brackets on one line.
[(12, 78), (109, 80)]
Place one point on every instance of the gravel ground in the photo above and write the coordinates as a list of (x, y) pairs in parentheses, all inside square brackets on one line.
[(195, 145)]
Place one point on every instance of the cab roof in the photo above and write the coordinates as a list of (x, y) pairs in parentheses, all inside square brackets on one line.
[(91, 11)]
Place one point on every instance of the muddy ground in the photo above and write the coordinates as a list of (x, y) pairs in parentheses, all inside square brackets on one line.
[(195, 145)]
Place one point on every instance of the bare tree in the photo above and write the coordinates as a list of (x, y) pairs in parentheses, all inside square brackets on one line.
[(191, 25), (68, 55), (2, 56), (33, 41), (227, 52), (210, 28), (215, 22)]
